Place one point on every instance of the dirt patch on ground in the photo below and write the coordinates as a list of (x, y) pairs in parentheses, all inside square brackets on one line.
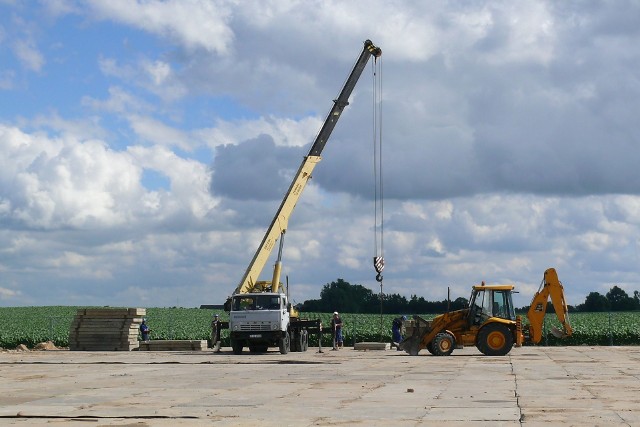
[(48, 345), (43, 346)]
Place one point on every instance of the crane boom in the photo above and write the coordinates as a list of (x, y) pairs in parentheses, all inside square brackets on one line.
[(280, 221)]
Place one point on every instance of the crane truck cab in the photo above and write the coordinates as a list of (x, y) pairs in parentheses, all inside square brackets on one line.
[(262, 320), (489, 322)]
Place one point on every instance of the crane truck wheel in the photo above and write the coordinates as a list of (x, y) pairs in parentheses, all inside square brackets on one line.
[(305, 340), (285, 343), (443, 344), (495, 339), (236, 346), (299, 341)]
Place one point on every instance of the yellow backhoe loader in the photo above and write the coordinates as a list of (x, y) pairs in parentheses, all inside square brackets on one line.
[(490, 322)]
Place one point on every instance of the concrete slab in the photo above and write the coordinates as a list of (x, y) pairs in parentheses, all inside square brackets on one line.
[(372, 346), (531, 386)]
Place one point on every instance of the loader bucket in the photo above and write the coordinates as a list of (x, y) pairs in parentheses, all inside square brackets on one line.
[(411, 345), (415, 329), (558, 333)]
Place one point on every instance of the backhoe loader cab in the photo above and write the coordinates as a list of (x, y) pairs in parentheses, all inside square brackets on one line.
[(491, 301)]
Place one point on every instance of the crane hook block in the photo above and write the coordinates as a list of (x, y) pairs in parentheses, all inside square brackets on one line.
[(378, 263), (379, 277)]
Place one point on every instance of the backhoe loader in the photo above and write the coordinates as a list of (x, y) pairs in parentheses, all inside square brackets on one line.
[(489, 322)]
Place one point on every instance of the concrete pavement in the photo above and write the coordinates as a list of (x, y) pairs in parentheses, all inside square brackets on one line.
[(572, 386)]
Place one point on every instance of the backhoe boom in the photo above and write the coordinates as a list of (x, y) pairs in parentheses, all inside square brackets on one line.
[(549, 287)]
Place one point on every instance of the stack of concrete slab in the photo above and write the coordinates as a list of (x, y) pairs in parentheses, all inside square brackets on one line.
[(106, 329), (173, 345)]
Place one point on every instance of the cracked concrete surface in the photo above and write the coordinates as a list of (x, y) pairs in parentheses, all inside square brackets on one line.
[(573, 386)]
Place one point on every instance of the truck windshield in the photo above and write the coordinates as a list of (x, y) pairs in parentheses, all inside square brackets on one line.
[(256, 302)]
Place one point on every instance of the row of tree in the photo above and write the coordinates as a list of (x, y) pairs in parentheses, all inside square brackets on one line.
[(616, 299), (344, 297)]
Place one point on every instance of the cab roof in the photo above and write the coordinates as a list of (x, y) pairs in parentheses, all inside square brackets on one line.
[(494, 287)]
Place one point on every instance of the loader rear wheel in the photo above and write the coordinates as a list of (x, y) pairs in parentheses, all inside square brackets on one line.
[(443, 344), (495, 339)]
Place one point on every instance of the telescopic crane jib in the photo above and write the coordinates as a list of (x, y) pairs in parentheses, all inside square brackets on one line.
[(280, 221)]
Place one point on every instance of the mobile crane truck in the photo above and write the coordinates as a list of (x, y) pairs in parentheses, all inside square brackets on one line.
[(489, 322), (260, 313)]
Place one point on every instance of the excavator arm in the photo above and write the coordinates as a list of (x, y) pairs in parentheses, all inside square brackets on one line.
[(550, 287)]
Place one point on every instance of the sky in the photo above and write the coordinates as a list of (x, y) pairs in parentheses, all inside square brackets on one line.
[(146, 145)]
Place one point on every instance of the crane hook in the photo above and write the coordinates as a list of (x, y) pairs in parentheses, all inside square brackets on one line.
[(378, 264)]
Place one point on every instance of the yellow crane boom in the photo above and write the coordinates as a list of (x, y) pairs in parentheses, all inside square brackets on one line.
[(280, 222)]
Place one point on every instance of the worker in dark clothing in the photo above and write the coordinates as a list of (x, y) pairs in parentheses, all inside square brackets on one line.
[(144, 330), (215, 333), (396, 331)]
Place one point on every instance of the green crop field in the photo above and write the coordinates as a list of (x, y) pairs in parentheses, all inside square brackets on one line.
[(32, 325)]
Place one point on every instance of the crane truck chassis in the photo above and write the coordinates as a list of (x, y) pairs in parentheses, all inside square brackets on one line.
[(489, 323), (260, 314)]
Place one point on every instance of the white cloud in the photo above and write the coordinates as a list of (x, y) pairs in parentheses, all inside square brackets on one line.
[(120, 102), (159, 71), (7, 79), (508, 147), (8, 294), (157, 77), (285, 132), (196, 24), (190, 181), (63, 182), (158, 133), (86, 128), (29, 54)]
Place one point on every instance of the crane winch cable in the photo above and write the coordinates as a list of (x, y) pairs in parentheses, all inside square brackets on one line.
[(378, 226)]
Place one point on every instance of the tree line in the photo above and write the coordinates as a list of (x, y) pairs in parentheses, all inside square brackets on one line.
[(344, 297)]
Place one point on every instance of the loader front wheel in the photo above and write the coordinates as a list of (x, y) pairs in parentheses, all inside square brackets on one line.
[(443, 344), (430, 348), (495, 339)]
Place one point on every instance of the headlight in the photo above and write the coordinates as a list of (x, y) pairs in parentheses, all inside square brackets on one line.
[(236, 327), (274, 326)]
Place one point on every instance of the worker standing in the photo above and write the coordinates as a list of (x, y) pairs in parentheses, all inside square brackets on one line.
[(336, 326), (144, 330), (215, 333), (396, 331)]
